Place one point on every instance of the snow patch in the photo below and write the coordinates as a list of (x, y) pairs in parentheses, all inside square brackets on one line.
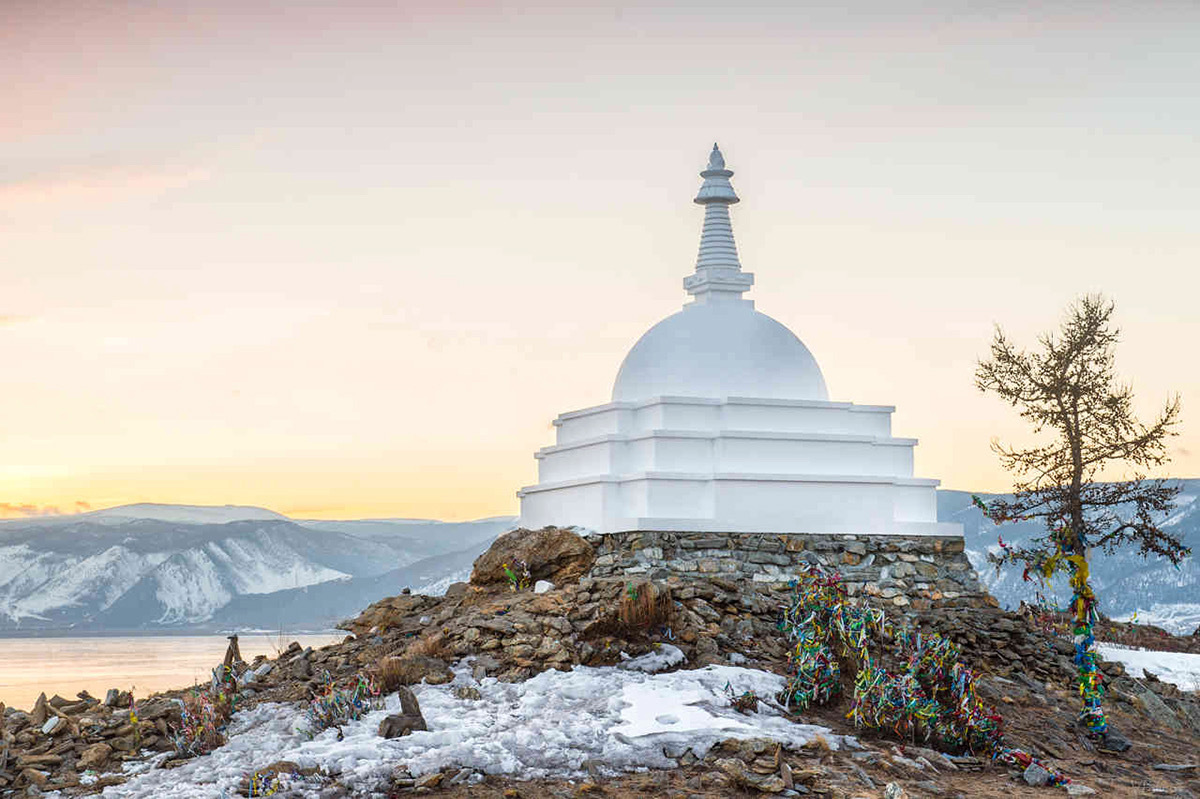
[(1184, 505), (261, 565), (1181, 669), (545, 727), (438, 587), (661, 659), (23, 572), (97, 581), (1179, 618), (190, 588)]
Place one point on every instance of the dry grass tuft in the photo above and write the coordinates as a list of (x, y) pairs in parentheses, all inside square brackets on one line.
[(645, 607), (389, 675), (819, 745), (430, 645), (393, 672)]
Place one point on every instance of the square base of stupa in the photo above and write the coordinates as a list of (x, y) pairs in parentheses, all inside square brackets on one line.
[(909, 573)]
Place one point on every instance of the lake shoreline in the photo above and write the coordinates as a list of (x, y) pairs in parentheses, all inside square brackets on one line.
[(63, 633), (146, 664)]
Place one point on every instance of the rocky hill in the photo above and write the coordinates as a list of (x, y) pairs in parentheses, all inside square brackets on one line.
[(576, 685)]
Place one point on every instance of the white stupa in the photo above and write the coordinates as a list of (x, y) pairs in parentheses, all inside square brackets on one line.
[(720, 421)]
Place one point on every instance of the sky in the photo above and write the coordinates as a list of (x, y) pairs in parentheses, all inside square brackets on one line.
[(350, 259)]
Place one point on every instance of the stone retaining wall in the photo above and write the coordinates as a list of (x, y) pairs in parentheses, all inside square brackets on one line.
[(913, 572)]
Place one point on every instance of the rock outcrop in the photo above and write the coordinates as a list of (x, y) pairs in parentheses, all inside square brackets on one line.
[(558, 556), (74, 737), (407, 721)]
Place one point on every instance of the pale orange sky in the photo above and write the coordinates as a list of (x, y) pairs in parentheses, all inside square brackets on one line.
[(351, 259)]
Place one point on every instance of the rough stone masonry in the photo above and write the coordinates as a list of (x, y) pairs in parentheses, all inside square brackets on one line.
[(916, 573)]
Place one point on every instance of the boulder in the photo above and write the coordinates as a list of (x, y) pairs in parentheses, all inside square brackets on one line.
[(40, 712), (1114, 741), (34, 777), (54, 725), (1037, 776), (1155, 709), (301, 669), (552, 554), (94, 757), (407, 721), (123, 743), (398, 725)]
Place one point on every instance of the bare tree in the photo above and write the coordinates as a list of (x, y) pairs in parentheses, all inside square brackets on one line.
[(1067, 390)]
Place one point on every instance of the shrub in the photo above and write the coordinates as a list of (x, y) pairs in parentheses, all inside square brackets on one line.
[(201, 725), (334, 707)]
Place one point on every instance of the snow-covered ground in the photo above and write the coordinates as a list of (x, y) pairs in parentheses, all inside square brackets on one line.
[(438, 587), (549, 726), (1181, 669), (1180, 618)]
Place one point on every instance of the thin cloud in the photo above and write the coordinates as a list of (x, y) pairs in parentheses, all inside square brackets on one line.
[(10, 510), (95, 185)]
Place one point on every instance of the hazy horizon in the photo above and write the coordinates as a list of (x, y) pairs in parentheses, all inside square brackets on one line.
[(351, 261)]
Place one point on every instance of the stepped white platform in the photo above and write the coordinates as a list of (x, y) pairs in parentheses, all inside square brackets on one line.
[(732, 465), (721, 422)]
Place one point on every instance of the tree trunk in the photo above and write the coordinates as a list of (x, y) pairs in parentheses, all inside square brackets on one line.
[(1083, 600)]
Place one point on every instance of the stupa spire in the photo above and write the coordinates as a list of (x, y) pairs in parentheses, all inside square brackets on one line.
[(718, 273)]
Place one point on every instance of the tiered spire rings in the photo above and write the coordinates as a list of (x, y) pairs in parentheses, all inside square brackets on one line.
[(718, 270)]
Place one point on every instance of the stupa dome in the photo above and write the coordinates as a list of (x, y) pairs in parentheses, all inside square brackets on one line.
[(718, 345), (719, 349)]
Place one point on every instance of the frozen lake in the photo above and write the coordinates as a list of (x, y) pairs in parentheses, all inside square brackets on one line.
[(145, 664)]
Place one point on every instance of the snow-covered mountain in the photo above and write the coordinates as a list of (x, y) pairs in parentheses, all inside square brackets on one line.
[(1157, 591), (178, 567), (156, 567), (185, 514)]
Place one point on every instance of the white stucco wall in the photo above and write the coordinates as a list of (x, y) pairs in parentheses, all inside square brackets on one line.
[(730, 413), (730, 464), (727, 451), (738, 503)]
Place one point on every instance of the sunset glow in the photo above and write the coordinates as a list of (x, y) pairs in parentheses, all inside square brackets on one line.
[(348, 260)]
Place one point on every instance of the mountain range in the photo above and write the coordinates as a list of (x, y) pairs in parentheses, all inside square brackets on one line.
[(173, 567), (176, 568), (1124, 583)]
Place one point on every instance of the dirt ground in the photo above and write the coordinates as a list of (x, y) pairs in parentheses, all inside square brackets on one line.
[(1047, 730)]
